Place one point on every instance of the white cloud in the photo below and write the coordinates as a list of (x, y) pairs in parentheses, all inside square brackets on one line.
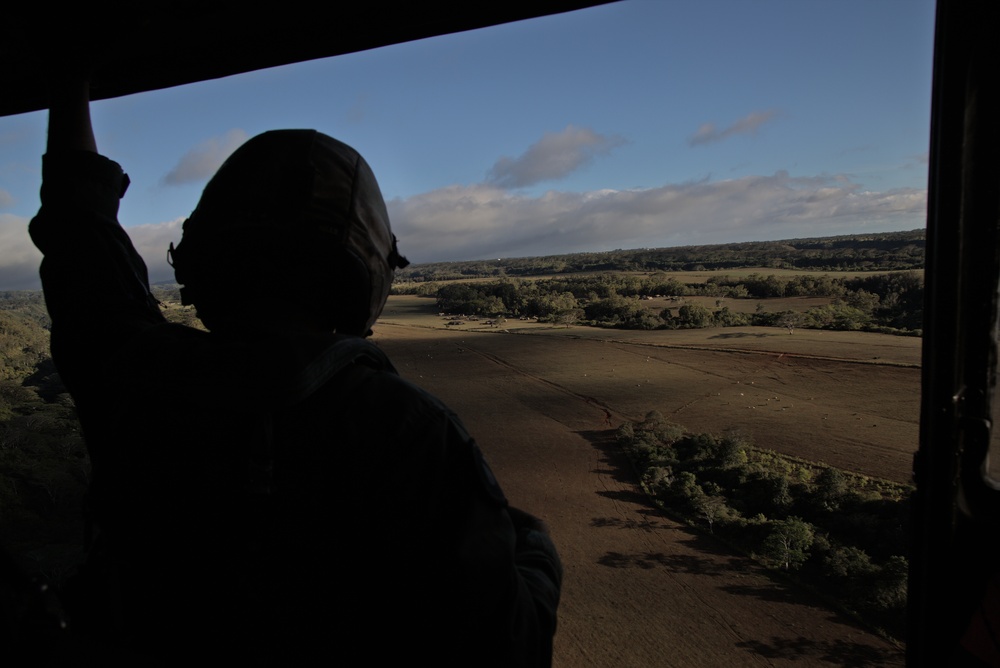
[(6, 199), (480, 221), (20, 259), (201, 162), (709, 133), (152, 242), (554, 156)]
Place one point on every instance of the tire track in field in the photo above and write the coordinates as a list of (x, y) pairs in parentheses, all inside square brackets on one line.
[(500, 361), (641, 530), (736, 351), (768, 371), (758, 369), (845, 446)]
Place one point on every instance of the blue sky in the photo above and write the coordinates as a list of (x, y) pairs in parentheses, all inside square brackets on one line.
[(645, 123)]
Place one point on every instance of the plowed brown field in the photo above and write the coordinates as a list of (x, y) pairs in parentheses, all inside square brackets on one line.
[(640, 589)]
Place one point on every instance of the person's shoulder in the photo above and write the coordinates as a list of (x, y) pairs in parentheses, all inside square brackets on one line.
[(170, 339), (392, 388), (370, 380), (166, 349)]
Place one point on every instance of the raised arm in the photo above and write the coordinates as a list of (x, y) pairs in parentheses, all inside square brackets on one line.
[(96, 285), (70, 128)]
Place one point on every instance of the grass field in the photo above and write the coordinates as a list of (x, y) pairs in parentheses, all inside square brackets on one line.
[(743, 272), (849, 399), (693, 276), (642, 590)]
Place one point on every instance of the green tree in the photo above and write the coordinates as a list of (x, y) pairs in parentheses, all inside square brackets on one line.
[(831, 486), (492, 305), (712, 508), (768, 492), (664, 430), (693, 316), (658, 479), (726, 318), (789, 542), (847, 562), (890, 584), (863, 301), (567, 317), (732, 451), (685, 486)]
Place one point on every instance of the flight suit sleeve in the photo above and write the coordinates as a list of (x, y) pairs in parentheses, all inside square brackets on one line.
[(90, 265), (96, 284)]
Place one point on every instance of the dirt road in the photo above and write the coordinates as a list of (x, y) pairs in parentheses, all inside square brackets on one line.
[(641, 590)]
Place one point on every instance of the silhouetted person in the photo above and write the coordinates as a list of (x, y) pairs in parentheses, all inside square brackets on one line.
[(272, 490)]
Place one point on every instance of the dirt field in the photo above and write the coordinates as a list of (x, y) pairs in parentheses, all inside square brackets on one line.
[(640, 589)]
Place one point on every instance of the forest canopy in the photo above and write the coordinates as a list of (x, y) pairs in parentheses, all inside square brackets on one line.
[(884, 251)]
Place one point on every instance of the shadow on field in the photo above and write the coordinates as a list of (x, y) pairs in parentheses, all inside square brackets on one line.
[(741, 335), (629, 496), (706, 544), (675, 563), (616, 464), (699, 553), (693, 551), (628, 523), (771, 591), (711, 559), (840, 653)]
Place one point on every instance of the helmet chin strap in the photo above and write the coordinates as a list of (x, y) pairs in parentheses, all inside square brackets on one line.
[(396, 261), (187, 293)]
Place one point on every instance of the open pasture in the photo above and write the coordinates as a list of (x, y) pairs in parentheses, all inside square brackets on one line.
[(640, 589), (743, 272), (849, 399)]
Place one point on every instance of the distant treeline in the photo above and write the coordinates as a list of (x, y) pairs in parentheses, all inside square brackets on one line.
[(888, 303), (885, 251)]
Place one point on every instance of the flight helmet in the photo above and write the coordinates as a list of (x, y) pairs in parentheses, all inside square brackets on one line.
[(294, 216)]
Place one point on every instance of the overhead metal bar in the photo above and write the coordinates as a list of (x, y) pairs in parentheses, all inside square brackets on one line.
[(135, 47)]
